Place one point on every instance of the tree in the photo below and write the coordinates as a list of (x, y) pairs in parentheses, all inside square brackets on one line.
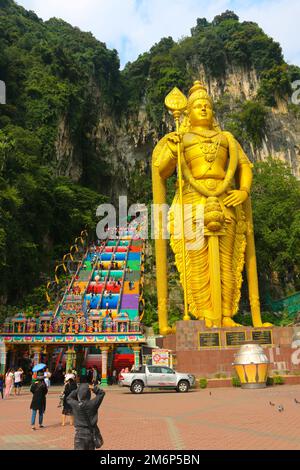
[(249, 124), (276, 213), (227, 15), (274, 84), (200, 25)]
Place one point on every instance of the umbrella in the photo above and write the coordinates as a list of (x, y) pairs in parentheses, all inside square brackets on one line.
[(39, 367)]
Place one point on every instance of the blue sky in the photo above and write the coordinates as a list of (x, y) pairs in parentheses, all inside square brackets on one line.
[(133, 26)]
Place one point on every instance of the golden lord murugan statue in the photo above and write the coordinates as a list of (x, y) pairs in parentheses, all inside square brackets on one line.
[(214, 179)]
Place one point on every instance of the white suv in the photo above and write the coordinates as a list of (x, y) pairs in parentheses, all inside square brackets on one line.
[(156, 377)]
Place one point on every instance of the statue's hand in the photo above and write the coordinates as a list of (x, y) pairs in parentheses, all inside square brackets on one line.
[(172, 142), (235, 198)]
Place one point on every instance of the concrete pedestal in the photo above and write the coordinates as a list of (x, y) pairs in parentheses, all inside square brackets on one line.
[(199, 352)]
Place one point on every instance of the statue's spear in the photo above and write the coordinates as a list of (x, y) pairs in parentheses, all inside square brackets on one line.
[(176, 102)]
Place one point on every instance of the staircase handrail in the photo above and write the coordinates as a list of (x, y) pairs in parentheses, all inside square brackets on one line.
[(69, 287)]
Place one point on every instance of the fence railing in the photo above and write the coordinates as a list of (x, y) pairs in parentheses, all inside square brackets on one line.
[(75, 327)]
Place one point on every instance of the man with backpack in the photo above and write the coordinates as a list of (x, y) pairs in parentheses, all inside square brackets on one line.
[(85, 411)]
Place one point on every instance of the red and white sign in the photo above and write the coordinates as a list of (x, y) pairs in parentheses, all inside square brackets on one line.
[(160, 357)]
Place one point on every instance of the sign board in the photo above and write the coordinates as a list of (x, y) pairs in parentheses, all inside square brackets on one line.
[(160, 357), (235, 338), (262, 336), (209, 340)]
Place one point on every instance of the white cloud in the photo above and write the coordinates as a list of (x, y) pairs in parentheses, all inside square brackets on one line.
[(280, 20), (133, 26)]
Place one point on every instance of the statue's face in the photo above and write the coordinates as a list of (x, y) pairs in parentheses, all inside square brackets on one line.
[(201, 113)]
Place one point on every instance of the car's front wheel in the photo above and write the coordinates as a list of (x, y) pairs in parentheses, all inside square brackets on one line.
[(183, 386), (137, 387)]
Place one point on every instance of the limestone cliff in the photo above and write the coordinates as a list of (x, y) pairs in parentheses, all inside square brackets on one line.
[(129, 141), (245, 73)]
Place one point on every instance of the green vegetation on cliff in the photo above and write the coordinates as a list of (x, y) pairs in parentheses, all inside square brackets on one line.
[(51, 71), (276, 213), (216, 46)]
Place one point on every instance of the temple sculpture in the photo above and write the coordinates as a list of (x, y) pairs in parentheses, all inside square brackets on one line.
[(212, 238)]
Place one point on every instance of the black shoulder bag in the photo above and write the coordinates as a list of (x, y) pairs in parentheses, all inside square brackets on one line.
[(95, 431)]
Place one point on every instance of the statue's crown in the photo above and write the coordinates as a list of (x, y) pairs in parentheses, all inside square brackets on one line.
[(197, 87), (198, 91)]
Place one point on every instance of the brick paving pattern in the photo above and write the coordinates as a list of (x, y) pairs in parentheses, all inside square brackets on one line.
[(226, 419)]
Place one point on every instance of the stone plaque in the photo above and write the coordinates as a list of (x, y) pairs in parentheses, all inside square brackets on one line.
[(235, 338), (262, 336), (209, 340)]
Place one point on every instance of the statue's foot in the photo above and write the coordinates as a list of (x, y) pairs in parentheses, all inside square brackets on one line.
[(229, 323), (208, 323), (167, 330), (211, 324)]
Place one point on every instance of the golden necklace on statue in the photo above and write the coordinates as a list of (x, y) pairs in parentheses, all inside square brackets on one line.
[(205, 133), (210, 149)]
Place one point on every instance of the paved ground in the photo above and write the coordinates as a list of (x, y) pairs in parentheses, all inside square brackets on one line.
[(226, 419)]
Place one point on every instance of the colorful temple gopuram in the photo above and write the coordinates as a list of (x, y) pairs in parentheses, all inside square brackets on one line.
[(97, 320)]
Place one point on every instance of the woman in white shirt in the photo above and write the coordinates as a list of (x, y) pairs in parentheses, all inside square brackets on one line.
[(47, 376), (69, 375), (18, 376)]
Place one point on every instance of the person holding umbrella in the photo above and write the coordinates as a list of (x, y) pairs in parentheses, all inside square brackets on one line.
[(39, 390), (37, 368)]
